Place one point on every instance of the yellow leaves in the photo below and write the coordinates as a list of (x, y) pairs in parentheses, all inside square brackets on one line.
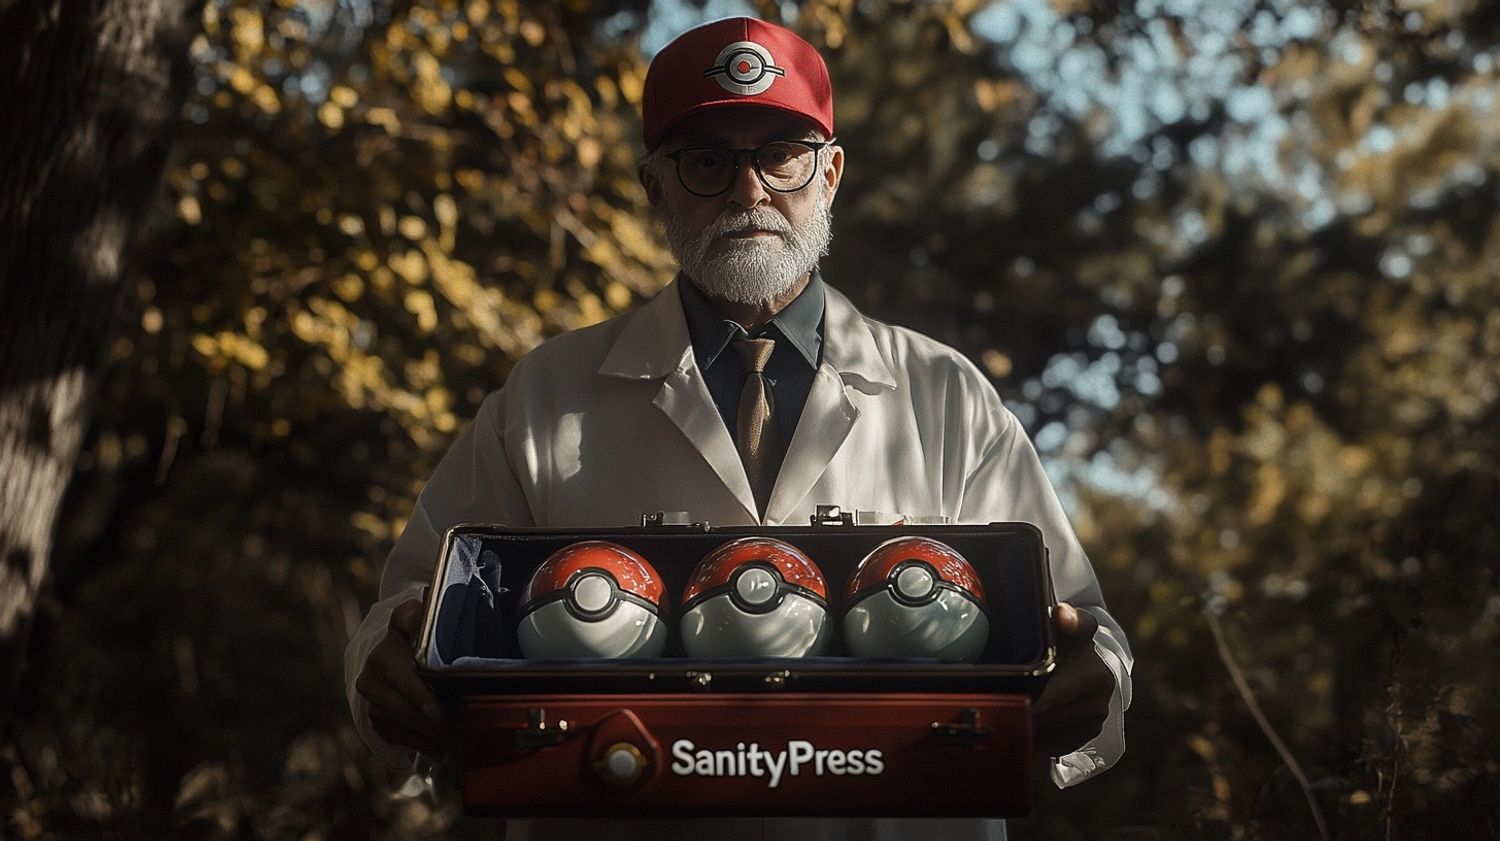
[(476, 11), (247, 30), (617, 295), (409, 266), (331, 116), (349, 287), (419, 303), (412, 227), (385, 118), (371, 525), (265, 99), (518, 82), (242, 80), (1270, 491), (445, 209), (533, 32), (226, 348), (188, 210), (471, 180), (995, 94), (996, 363), (633, 84), (429, 90), (343, 96)]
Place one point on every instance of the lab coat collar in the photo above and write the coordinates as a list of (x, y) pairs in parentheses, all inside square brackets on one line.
[(653, 344), (654, 341), (849, 346)]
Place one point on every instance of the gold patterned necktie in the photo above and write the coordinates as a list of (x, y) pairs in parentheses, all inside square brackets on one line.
[(755, 428)]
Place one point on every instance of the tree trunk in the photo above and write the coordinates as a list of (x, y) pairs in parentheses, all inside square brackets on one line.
[(89, 95)]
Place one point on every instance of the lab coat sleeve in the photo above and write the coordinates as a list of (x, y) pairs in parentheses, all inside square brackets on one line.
[(474, 483), (1008, 483)]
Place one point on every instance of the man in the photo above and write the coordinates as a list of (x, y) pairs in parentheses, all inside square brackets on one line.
[(746, 392)]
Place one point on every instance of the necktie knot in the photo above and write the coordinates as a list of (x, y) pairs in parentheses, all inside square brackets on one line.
[(755, 353)]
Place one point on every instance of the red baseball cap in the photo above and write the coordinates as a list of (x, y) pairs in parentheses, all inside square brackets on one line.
[(738, 61)]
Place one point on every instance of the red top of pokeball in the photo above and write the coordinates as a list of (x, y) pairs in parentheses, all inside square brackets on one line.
[(631, 572), (718, 567), (738, 61), (878, 567)]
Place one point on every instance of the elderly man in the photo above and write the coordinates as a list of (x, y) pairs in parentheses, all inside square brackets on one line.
[(747, 392)]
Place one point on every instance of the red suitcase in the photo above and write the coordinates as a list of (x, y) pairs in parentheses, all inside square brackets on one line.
[(674, 735)]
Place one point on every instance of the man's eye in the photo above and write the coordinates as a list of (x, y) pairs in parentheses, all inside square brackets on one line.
[(708, 160), (777, 155)]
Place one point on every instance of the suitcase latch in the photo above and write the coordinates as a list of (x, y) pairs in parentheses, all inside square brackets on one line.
[(831, 515), (671, 519), (966, 731), (538, 734)]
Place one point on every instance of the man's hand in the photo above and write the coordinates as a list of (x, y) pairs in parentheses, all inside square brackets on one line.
[(402, 709), (1073, 705)]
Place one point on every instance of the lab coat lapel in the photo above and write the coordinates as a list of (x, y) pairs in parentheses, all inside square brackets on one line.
[(654, 344), (853, 369)]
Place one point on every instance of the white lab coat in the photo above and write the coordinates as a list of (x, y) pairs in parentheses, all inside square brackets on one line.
[(600, 425)]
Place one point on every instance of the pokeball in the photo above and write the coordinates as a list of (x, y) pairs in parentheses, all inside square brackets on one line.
[(593, 599), (915, 597), (755, 597)]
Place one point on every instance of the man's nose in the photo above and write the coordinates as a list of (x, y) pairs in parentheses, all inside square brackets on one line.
[(746, 190)]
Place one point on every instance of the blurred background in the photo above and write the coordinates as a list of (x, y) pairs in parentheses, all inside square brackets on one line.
[(1234, 263)]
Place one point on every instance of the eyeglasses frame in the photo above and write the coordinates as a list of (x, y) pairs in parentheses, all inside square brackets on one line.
[(817, 146)]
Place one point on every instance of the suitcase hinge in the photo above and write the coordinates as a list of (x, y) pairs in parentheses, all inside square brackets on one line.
[(966, 731)]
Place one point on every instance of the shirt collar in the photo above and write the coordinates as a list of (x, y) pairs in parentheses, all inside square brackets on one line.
[(799, 322)]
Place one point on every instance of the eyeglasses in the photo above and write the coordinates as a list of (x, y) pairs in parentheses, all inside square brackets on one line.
[(784, 166)]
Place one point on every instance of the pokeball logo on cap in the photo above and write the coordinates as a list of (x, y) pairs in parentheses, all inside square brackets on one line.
[(745, 68)]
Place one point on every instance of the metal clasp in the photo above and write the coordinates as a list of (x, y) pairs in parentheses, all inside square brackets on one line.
[(831, 515), (777, 680), (536, 733), (674, 519), (966, 731)]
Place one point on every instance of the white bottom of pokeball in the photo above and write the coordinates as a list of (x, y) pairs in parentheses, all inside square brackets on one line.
[(630, 630), (798, 627), (951, 627)]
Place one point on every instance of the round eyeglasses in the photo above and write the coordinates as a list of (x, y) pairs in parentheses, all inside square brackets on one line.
[(784, 166)]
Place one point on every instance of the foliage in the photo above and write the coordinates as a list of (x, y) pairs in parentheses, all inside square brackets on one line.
[(1232, 263)]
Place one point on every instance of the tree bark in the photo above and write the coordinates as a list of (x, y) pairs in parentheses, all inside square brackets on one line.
[(89, 94)]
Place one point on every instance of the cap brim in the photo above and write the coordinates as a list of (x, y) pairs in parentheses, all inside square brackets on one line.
[(661, 134)]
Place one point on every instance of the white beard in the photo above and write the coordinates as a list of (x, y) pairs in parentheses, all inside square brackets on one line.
[(755, 270)]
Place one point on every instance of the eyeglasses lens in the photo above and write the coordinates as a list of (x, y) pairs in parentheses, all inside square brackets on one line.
[(709, 170)]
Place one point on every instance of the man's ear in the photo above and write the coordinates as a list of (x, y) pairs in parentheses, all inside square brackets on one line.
[(833, 173), (651, 180)]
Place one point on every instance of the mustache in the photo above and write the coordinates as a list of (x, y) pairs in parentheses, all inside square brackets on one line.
[(751, 219)]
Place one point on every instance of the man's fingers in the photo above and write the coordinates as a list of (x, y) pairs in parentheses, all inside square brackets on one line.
[(406, 619), (1075, 623), (394, 704), (1061, 741), (397, 734)]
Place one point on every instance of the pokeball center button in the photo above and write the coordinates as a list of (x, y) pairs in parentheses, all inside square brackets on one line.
[(914, 582), (756, 586), (591, 593)]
